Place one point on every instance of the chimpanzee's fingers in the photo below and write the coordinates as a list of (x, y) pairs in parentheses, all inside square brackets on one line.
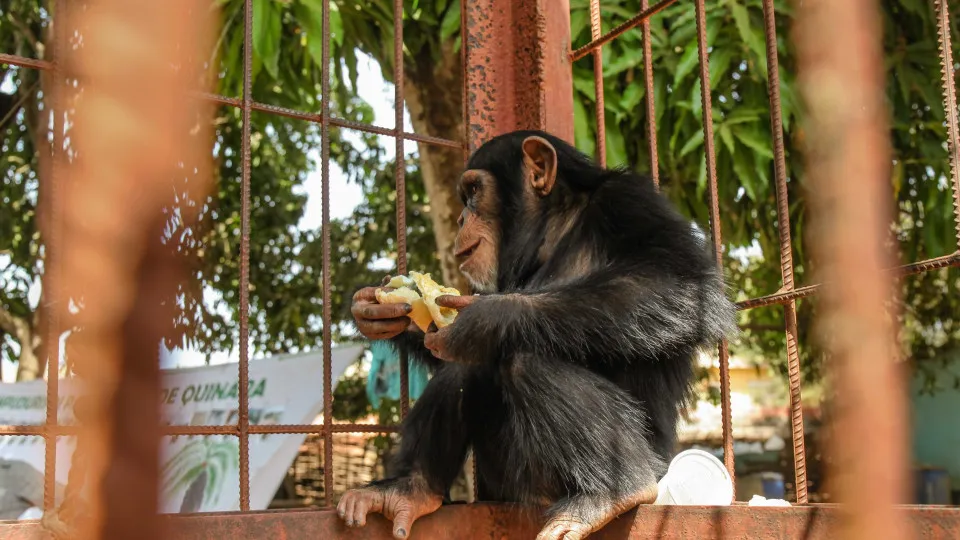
[(366, 294), (455, 302), (345, 508), (342, 505), (430, 341), (402, 523), (379, 311), (360, 510)]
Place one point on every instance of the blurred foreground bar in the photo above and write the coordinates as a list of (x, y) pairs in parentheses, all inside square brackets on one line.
[(848, 157), (132, 166)]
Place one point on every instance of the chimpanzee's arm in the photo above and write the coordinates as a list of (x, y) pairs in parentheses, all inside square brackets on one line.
[(611, 315)]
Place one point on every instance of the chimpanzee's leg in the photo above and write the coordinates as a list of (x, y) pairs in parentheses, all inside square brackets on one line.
[(578, 440), (578, 516), (433, 447)]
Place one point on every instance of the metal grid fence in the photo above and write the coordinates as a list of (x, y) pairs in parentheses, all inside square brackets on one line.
[(474, 132), (51, 429), (789, 293)]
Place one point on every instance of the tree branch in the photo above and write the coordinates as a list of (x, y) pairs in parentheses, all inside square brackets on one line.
[(13, 325)]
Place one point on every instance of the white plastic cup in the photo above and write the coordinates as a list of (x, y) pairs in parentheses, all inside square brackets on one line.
[(695, 478)]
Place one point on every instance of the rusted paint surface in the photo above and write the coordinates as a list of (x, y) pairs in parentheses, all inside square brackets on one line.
[(485, 521), (516, 70)]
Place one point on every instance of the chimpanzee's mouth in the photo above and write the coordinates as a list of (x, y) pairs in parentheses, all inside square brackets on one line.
[(465, 253)]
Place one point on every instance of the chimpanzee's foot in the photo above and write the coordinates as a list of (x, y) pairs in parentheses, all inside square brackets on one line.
[(577, 517), (402, 502)]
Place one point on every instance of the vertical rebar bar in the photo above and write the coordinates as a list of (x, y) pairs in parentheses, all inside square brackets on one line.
[(842, 80), (649, 98), (325, 202), (401, 183), (950, 104), (786, 250), (51, 282), (711, 164), (595, 32), (243, 421)]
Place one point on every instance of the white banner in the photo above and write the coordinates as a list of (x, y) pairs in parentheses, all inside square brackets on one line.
[(200, 473)]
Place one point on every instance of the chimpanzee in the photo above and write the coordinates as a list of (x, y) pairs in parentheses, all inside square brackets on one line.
[(567, 372)]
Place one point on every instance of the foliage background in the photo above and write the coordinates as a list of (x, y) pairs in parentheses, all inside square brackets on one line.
[(285, 258)]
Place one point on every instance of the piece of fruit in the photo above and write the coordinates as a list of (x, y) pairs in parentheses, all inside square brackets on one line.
[(425, 309), (430, 290)]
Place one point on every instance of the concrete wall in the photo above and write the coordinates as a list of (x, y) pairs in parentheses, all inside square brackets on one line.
[(936, 424)]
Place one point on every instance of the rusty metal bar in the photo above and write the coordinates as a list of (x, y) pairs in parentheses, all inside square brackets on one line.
[(842, 80), (644, 15), (786, 251), (327, 318), (517, 63), (595, 31), (243, 423), (61, 430), (400, 174), (711, 162), (53, 233), (43, 65), (334, 121), (289, 429), (781, 297), (651, 104), (22, 61), (950, 104)]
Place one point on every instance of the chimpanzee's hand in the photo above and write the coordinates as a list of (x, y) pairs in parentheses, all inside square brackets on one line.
[(436, 340), (402, 507), (376, 320)]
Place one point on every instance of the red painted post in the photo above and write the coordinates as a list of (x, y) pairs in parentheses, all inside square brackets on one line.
[(516, 68)]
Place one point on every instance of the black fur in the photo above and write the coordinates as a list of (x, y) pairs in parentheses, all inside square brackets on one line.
[(568, 383)]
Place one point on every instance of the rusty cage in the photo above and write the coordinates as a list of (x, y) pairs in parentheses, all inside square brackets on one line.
[(516, 63)]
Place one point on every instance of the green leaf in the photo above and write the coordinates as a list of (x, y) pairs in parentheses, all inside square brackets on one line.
[(310, 19), (719, 65), (582, 134), (451, 22), (753, 139), (266, 34), (696, 100), (686, 64), (659, 95), (742, 115), (762, 167), (745, 174), (692, 144), (578, 24), (727, 137), (632, 95), (616, 147), (630, 58), (751, 36)]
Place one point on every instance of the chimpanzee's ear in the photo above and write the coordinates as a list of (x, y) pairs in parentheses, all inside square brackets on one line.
[(539, 164)]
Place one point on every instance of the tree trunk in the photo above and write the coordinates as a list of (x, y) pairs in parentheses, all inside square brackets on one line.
[(433, 97), (29, 365)]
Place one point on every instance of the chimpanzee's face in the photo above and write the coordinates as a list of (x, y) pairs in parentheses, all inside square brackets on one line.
[(478, 241)]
